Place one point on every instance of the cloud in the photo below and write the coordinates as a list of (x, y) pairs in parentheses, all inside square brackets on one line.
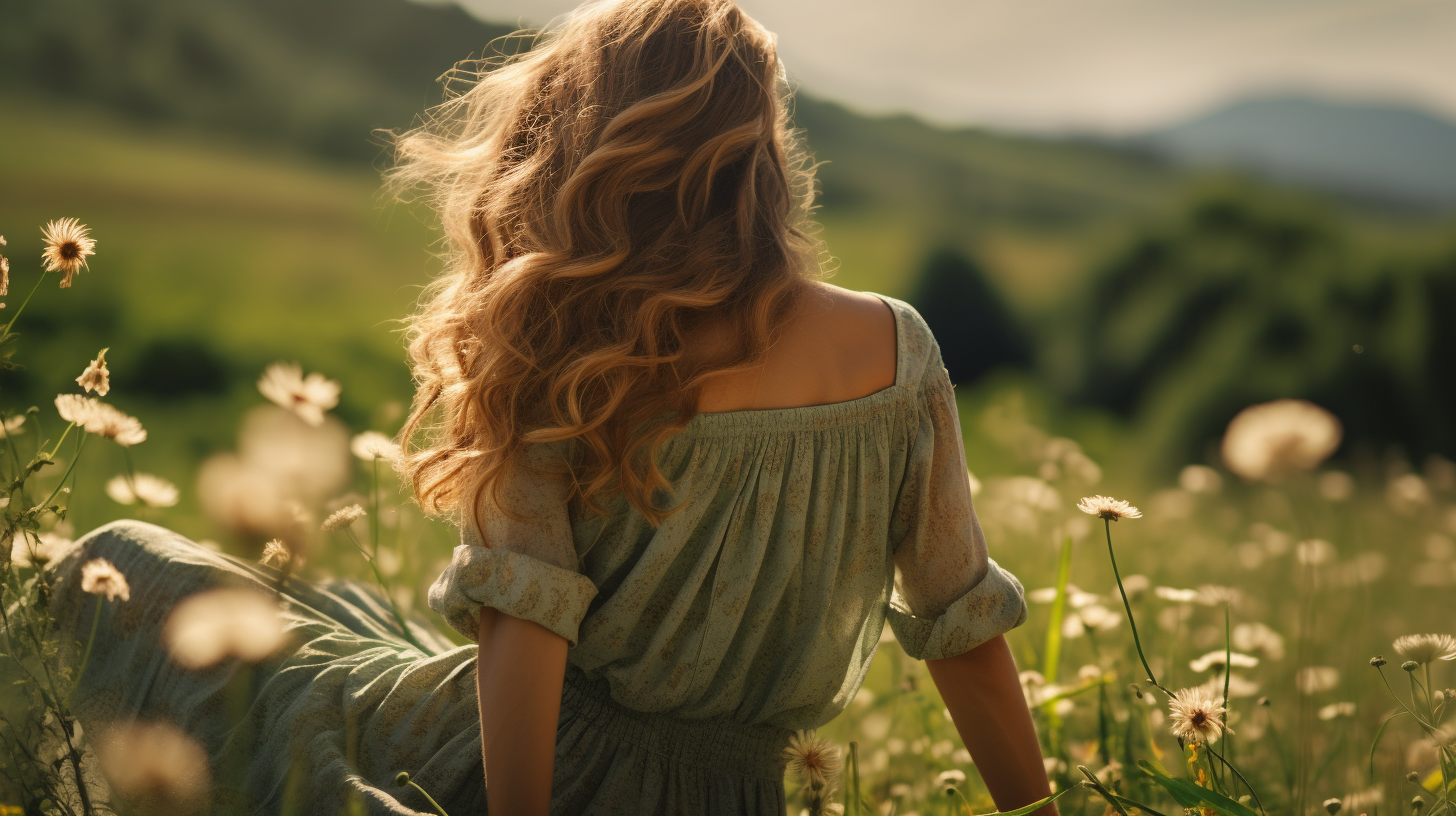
[(1112, 66)]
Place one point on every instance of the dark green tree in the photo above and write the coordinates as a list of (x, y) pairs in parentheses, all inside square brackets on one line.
[(975, 327)]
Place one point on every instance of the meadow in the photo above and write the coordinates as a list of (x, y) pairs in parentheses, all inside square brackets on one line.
[(216, 259)]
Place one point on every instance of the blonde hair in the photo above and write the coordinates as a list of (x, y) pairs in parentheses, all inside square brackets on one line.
[(631, 178)]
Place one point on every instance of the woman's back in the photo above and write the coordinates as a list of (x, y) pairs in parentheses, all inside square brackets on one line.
[(761, 597)]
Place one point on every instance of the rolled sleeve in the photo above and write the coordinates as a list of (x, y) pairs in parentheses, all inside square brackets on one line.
[(993, 607), (948, 596), (522, 558), (516, 584)]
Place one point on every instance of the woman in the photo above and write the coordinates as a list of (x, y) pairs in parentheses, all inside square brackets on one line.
[(693, 483)]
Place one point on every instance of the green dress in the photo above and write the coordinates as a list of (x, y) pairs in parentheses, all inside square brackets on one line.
[(695, 647)]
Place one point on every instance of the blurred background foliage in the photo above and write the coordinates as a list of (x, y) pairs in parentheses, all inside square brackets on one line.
[(226, 155)]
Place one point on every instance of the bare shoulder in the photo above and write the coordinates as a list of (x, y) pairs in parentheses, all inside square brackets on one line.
[(846, 338)]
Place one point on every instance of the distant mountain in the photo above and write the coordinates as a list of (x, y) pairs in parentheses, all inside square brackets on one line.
[(1386, 154)]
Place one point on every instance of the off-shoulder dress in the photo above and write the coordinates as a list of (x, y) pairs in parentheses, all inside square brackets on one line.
[(696, 647)]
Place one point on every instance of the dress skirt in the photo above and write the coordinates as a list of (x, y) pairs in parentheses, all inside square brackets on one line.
[(325, 724)]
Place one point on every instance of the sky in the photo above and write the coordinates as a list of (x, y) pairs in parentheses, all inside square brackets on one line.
[(1107, 67)]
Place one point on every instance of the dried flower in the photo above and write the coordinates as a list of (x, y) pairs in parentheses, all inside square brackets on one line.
[(1426, 648), (372, 445), (949, 781), (101, 577), (96, 377), (101, 419), (308, 397), (1108, 508), (1197, 715), (67, 245), (1337, 710), (343, 517), (276, 554), (813, 760), (4, 274), (1215, 660), (42, 549), (1316, 679), (1269, 440), (156, 764), (204, 629), (153, 491)]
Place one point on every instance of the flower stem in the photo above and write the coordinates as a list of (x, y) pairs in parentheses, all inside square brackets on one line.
[(1107, 525), (90, 641), (23, 304), (426, 794)]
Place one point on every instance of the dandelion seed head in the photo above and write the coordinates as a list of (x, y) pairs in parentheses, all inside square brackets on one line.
[(1196, 715), (308, 397), (1108, 508), (276, 554), (372, 445), (815, 761), (1267, 441), (155, 763), (68, 244), (152, 491), (343, 517), (206, 628), (96, 377), (950, 781), (1426, 648), (45, 548), (101, 577)]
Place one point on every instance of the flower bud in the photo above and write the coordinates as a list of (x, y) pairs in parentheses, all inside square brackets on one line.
[(1413, 778), (1378, 661), (402, 778), (1417, 804), (1410, 665), (1333, 805)]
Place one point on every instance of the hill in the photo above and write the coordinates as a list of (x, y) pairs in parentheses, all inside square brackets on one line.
[(1383, 153)]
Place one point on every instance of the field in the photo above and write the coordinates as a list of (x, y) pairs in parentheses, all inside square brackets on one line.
[(215, 259)]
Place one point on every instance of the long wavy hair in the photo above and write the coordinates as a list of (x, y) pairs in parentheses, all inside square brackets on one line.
[(628, 180)]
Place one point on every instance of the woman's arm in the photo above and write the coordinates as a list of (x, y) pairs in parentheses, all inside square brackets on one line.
[(519, 675), (983, 693)]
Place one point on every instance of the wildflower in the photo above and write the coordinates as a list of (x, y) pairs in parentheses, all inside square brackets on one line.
[(1316, 679), (101, 419), (276, 554), (1135, 585), (12, 426), (1266, 441), (206, 628), (1336, 710), (1215, 660), (1197, 715), (96, 377), (4, 274), (1410, 666), (343, 517), (1248, 637), (1200, 479), (1418, 804), (308, 397), (153, 491), (950, 781), (67, 245), (43, 549), (1333, 805), (155, 763), (1175, 595), (812, 759), (1378, 661), (101, 577), (372, 445), (1426, 648), (1108, 508)]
